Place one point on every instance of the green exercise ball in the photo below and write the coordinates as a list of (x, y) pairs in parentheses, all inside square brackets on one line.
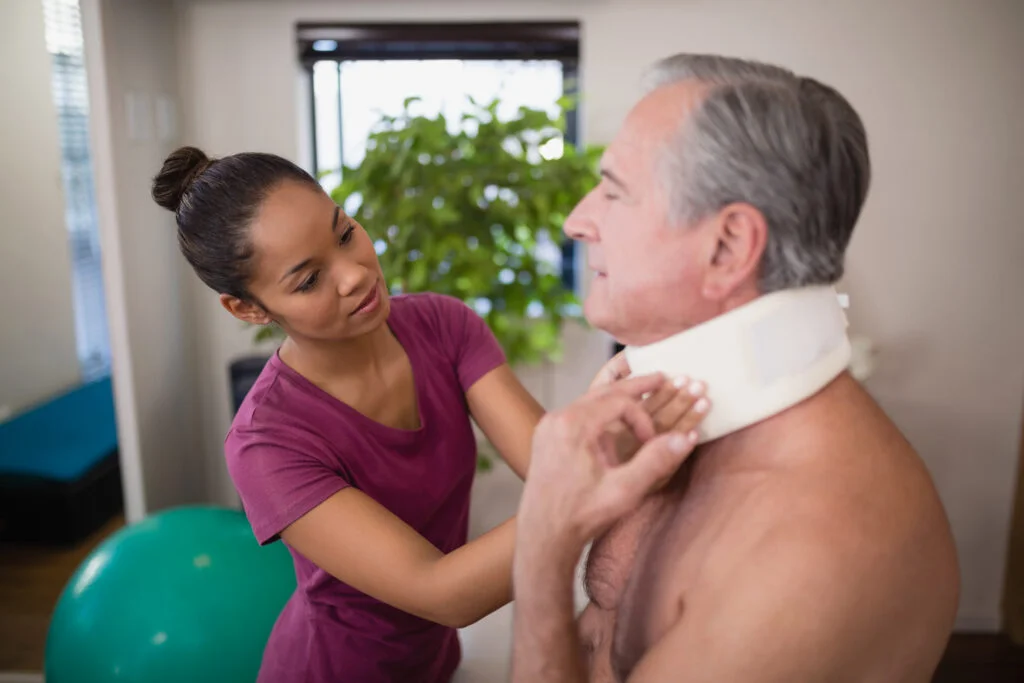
[(186, 595)]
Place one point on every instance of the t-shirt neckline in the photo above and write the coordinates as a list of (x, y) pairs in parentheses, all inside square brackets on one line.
[(392, 434)]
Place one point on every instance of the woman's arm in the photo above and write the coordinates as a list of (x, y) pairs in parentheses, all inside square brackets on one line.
[(507, 414), (362, 544)]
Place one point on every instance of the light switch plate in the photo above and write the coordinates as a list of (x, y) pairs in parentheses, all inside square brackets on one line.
[(139, 114), (166, 119)]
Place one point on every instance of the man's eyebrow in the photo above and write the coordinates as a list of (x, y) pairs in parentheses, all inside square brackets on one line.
[(614, 179), (334, 220)]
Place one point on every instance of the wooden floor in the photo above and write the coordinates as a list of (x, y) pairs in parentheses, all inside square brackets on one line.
[(31, 580)]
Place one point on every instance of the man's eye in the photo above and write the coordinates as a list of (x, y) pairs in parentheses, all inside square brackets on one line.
[(346, 236)]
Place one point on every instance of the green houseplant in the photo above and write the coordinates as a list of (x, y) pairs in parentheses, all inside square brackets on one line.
[(474, 209)]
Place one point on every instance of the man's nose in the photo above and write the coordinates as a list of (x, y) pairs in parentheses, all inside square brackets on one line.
[(579, 224)]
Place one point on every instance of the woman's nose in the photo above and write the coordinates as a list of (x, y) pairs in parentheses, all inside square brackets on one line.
[(349, 276)]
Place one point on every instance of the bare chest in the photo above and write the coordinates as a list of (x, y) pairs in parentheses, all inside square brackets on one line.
[(638, 577), (608, 568), (613, 555)]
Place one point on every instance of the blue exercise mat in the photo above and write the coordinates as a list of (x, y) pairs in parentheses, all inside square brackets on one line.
[(63, 438)]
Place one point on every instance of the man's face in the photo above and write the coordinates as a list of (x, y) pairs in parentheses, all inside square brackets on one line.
[(648, 270)]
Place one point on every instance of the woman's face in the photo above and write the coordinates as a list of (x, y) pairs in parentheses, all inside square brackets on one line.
[(314, 269)]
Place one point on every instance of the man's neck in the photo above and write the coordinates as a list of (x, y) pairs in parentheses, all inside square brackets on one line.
[(757, 360), (670, 327), (785, 439)]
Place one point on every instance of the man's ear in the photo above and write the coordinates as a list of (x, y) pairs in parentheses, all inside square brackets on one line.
[(246, 311), (741, 234)]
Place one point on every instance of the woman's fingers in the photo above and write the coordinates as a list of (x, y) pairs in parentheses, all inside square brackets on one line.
[(688, 402), (693, 416), (661, 398), (615, 369)]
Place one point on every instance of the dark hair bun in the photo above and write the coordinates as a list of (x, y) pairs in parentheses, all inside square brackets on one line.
[(179, 171)]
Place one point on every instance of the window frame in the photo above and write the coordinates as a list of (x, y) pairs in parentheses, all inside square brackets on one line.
[(68, 80), (549, 41)]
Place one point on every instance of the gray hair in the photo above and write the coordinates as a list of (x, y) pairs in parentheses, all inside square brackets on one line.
[(790, 146)]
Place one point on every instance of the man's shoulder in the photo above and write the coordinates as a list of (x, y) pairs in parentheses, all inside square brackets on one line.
[(786, 604), (827, 593), (818, 522), (840, 468), (835, 544), (822, 563), (776, 535)]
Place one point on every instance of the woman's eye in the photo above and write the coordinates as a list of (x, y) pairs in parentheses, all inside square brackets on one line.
[(310, 282), (346, 236)]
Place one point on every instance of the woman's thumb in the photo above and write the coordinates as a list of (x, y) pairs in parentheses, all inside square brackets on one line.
[(614, 369)]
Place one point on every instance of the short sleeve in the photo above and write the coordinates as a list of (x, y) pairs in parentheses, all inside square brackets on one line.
[(279, 478), (471, 344)]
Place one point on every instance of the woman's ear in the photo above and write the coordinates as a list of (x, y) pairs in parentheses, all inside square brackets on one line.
[(741, 234), (246, 311)]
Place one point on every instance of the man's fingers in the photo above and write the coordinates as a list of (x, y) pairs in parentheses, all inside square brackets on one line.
[(617, 406), (656, 461), (638, 420), (604, 413), (608, 449)]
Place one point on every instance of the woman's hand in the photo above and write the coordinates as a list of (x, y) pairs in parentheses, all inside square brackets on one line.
[(669, 406), (612, 371)]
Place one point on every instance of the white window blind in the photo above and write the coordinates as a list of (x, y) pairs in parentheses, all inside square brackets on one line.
[(71, 97)]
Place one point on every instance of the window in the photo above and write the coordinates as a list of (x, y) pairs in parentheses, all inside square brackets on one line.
[(70, 95), (358, 72)]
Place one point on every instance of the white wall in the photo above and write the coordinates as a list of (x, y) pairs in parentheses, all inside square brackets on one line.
[(131, 54), (37, 334), (934, 266)]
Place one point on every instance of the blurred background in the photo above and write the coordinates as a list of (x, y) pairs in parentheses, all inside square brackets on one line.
[(120, 372)]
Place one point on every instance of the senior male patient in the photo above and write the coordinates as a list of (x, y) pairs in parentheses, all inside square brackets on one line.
[(808, 546)]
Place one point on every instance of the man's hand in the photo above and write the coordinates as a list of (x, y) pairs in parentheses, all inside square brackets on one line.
[(669, 406), (576, 486), (578, 483)]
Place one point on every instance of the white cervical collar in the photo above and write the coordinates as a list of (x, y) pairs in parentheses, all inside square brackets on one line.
[(757, 360)]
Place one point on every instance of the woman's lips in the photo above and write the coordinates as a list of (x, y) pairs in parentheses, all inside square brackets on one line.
[(370, 303)]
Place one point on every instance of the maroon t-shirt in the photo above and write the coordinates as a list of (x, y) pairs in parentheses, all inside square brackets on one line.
[(292, 446)]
